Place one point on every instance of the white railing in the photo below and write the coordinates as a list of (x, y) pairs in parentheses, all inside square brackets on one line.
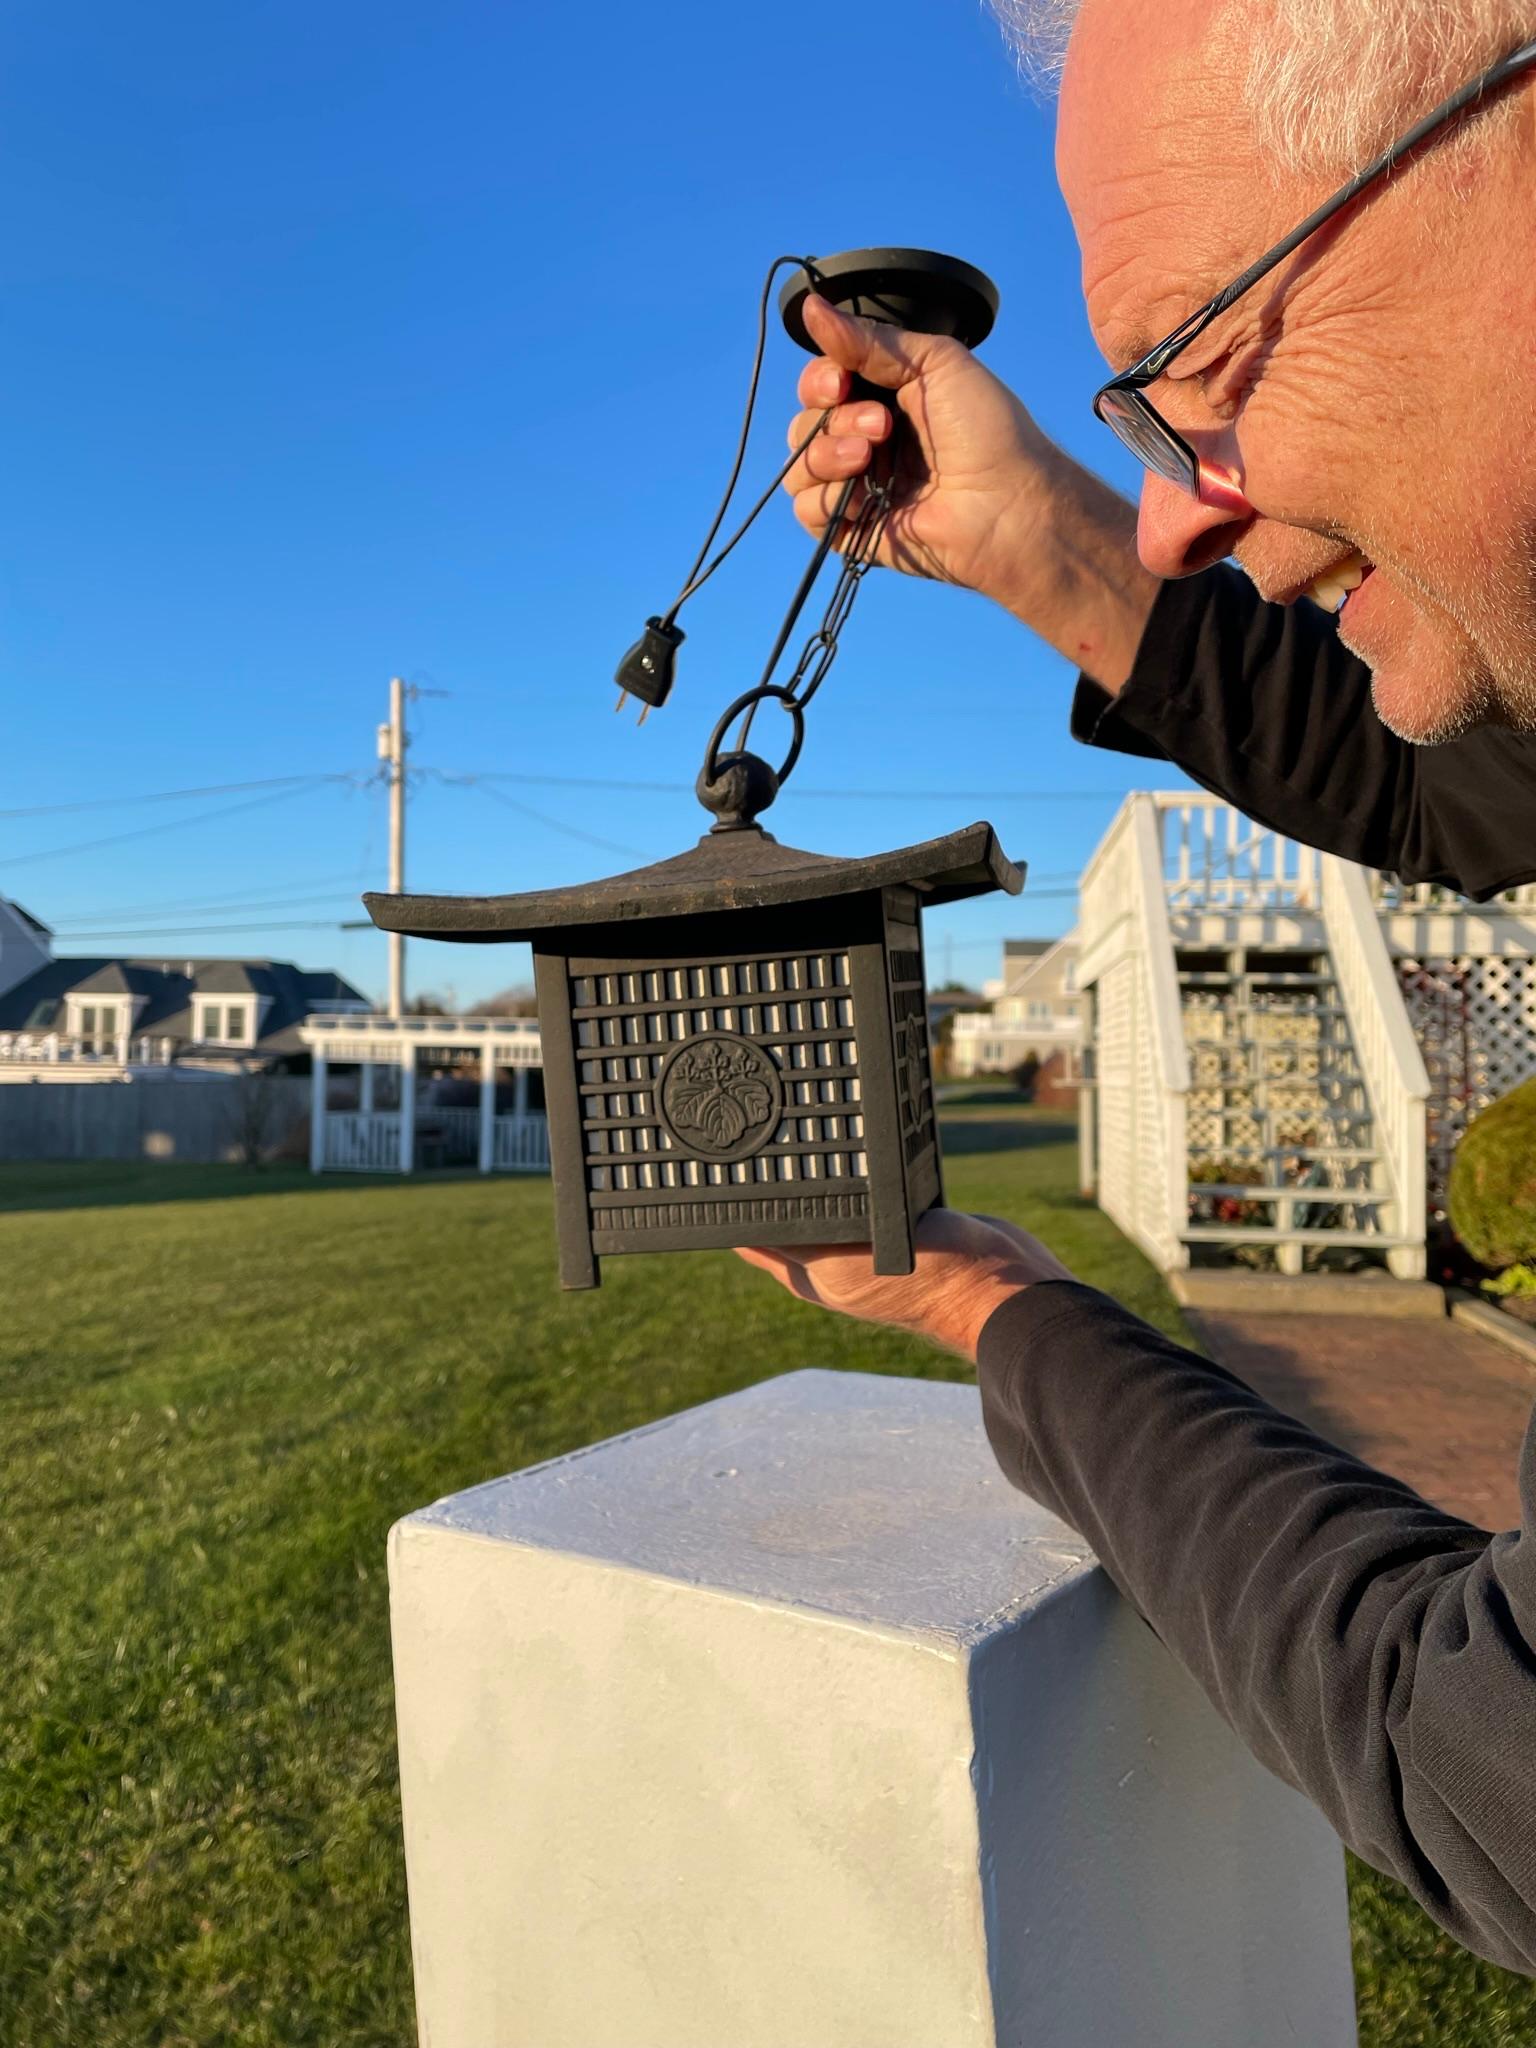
[(53, 1049), (360, 1141), (356, 1141), (349, 1035), (1387, 893), (1212, 857), (982, 1024), (1140, 1100), (1390, 1061), (520, 1144)]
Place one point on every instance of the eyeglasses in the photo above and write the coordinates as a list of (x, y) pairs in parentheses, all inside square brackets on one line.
[(1121, 404)]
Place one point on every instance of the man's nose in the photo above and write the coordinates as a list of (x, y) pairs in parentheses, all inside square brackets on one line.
[(1177, 535)]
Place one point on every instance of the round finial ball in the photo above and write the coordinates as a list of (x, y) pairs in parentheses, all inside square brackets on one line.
[(743, 785)]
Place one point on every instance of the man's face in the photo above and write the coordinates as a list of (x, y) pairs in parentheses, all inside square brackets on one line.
[(1366, 415)]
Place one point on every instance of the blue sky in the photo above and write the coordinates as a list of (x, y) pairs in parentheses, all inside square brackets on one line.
[(345, 341)]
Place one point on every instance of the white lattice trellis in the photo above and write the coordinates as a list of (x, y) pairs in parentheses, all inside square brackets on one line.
[(1475, 1019)]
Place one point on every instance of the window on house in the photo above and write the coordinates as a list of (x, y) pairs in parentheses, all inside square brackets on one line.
[(98, 1026), (225, 1024)]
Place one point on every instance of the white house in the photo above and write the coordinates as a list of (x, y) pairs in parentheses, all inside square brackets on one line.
[(114, 1018), (1036, 1009)]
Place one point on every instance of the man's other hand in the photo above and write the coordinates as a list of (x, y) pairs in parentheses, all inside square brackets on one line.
[(970, 461), (967, 1267), (984, 499)]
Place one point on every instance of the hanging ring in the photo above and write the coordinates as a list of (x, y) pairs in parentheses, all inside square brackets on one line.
[(743, 703)]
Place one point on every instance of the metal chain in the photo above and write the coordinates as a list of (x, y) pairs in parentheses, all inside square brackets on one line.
[(858, 558), (820, 651)]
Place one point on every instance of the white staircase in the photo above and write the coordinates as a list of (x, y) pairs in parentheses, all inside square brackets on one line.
[(1255, 1079), (1282, 1147)]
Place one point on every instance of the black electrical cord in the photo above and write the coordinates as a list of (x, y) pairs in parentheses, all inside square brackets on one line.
[(697, 581), (693, 580)]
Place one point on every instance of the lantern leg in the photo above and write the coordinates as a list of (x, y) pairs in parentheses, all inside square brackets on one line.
[(890, 1226), (562, 1105)]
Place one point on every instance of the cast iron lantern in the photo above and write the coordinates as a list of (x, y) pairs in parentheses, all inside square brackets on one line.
[(735, 1040)]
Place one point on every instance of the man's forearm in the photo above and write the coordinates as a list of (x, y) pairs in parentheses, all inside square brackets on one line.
[(1372, 1651), (1070, 570)]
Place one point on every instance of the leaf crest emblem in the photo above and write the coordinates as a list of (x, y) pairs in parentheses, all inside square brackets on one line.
[(718, 1091)]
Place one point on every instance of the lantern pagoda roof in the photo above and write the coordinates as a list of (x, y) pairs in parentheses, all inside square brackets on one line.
[(740, 869)]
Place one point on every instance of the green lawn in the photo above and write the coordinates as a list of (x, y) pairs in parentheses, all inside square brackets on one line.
[(217, 1390)]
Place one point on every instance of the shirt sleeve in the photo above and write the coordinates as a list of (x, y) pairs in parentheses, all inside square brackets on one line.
[(1376, 1654), (1265, 706)]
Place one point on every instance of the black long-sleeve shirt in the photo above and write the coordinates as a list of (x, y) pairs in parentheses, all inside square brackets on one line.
[(1375, 1653)]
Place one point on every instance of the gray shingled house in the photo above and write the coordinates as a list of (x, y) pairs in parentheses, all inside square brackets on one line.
[(108, 1017)]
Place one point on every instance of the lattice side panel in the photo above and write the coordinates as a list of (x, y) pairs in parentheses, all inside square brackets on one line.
[(909, 1022), (798, 1010), (1474, 1016), (1115, 1057)]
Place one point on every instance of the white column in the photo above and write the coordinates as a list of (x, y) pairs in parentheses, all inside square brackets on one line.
[(520, 1097), (487, 1106), (365, 1088), (317, 1084), (407, 1107), (787, 1721)]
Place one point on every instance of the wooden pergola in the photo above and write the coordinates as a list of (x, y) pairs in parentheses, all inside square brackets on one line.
[(375, 1139)]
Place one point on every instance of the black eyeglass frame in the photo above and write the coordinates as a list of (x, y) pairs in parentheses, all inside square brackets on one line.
[(1135, 421)]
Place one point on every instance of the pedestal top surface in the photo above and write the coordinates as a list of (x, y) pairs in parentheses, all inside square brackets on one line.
[(873, 1499)]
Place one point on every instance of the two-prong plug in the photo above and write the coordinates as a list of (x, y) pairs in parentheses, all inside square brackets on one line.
[(648, 669)]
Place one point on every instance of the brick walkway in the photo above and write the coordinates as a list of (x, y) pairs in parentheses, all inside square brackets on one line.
[(1430, 1401)]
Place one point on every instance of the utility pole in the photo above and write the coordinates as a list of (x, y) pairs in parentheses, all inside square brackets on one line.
[(393, 742)]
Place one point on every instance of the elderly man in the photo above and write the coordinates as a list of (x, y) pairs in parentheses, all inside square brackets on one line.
[(1357, 425)]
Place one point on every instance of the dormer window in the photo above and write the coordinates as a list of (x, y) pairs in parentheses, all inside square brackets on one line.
[(98, 1025), (224, 1021)]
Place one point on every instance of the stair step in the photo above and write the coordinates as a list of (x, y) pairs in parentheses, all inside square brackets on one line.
[(1289, 1190), (1271, 1010), (1256, 1233), (1344, 1155), (1287, 977), (1358, 1123)]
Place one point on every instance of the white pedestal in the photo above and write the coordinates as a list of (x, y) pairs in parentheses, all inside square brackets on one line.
[(787, 1723)]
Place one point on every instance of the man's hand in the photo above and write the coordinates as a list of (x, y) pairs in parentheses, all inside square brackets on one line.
[(985, 499), (967, 1266)]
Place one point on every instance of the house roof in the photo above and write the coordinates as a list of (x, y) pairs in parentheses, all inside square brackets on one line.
[(1032, 955), (166, 989), (34, 923)]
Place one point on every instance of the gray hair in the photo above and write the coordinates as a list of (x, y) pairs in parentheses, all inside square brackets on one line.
[(1328, 82)]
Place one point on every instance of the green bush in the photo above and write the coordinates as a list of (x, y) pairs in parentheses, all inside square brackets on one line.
[(1492, 1196)]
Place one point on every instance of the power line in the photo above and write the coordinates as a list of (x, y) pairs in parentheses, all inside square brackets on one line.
[(165, 906), (145, 922), (193, 931), (538, 817), (963, 796), (16, 860), (165, 796)]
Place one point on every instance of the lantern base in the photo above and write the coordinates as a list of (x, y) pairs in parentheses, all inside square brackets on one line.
[(918, 289)]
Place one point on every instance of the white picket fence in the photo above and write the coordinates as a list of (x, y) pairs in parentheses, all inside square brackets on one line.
[(357, 1141), (361, 1143)]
